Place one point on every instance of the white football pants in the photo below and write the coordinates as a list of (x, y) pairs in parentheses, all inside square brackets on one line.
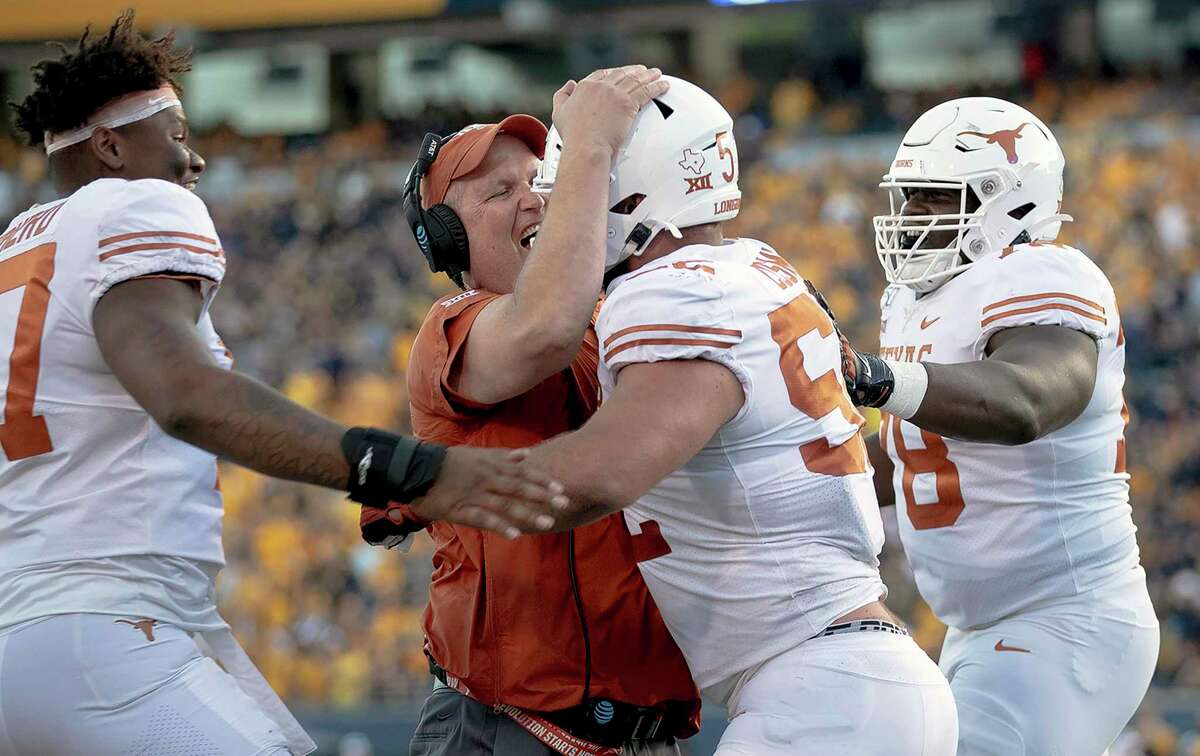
[(853, 694), (96, 684), (1062, 680)]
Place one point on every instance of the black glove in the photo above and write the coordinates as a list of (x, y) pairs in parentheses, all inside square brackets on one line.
[(868, 379), (378, 529), (385, 467)]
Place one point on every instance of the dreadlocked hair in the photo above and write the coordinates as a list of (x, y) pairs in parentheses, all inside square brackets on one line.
[(67, 91)]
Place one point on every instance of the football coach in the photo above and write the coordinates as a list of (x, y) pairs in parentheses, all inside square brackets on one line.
[(548, 643)]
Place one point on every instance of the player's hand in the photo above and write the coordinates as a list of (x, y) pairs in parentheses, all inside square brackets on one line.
[(492, 489), (849, 364), (600, 109), (868, 380)]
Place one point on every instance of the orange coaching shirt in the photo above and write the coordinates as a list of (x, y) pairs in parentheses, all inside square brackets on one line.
[(502, 615)]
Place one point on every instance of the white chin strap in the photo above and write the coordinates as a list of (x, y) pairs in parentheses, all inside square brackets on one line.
[(122, 111), (668, 226), (1035, 227)]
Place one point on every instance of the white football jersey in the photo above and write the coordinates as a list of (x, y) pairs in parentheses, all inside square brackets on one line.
[(100, 509), (772, 530), (992, 530)]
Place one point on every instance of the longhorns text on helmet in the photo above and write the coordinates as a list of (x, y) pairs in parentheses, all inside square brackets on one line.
[(680, 156), (998, 151)]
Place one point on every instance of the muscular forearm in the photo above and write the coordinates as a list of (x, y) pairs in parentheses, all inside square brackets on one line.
[(648, 427), (987, 401), (1033, 381), (595, 491), (240, 419), (558, 286), (146, 330)]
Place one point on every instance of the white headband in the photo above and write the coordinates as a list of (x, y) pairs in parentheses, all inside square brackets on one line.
[(120, 112)]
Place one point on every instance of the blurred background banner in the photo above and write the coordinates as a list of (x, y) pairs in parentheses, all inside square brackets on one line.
[(32, 21), (309, 114)]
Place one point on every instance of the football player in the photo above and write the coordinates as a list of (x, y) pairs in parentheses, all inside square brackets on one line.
[(999, 375), (728, 437), (118, 397)]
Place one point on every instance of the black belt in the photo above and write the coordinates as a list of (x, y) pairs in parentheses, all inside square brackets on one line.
[(607, 722), (863, 625)]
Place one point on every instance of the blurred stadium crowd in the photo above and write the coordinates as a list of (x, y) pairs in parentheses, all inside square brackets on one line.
[(326, 287)]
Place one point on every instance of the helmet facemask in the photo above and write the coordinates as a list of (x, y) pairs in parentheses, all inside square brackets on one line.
[(1007, 169), (924, 251)]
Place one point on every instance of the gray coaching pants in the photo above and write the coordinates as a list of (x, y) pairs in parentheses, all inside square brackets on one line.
[(452, 724)]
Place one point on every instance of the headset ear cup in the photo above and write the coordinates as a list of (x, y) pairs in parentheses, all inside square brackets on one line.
[(448, 237), (416, 220)]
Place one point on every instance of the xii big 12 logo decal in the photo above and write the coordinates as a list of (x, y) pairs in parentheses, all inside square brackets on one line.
[(694, 162)]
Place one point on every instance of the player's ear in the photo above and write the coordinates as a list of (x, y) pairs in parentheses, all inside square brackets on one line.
[(107, 147)]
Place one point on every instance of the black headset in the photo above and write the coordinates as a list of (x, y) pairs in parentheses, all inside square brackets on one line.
[(439, 232)]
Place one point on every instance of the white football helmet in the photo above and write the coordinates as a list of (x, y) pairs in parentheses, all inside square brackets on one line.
[(680, 157), (998, 151)]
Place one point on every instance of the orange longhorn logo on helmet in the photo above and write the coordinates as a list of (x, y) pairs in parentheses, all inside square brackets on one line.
[(1006, 138)]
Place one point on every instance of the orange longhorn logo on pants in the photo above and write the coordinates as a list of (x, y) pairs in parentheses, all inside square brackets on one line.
[(145, 625)]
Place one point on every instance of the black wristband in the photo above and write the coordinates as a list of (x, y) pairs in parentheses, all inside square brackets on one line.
[(385, 467), (873, 380)]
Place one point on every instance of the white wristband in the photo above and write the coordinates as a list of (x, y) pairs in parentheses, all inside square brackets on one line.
[(912, 380)]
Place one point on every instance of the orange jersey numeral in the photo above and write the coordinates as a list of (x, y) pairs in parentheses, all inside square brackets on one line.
[(24, 434), (816, 398), (934, 458)]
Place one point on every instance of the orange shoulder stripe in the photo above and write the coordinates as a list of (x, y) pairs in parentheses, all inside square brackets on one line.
[(665, 342), (160, 245), (140, 234), (672, 327), (175, 277), (1026, 310), (1048, 295)]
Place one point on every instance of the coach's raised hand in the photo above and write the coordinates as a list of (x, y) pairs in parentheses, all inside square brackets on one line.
[(602, 106)]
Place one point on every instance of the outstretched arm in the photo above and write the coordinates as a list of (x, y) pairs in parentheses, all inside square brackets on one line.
[(146, 330), (658, 417), (1034, 380)]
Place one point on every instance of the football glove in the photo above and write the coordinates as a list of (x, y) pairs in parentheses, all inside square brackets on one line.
[(869, 380), (378, 529)]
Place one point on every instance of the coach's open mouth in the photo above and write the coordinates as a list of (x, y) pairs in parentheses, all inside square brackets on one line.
[(529, 235)]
